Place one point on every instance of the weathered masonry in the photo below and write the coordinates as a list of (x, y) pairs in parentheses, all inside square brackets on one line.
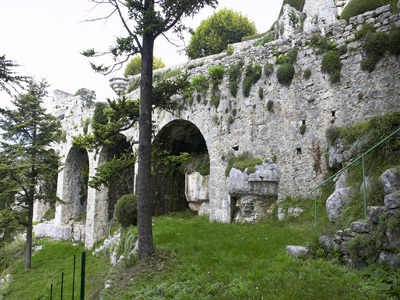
[(266, 124)]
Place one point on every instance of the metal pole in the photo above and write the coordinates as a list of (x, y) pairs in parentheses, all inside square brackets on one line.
[(62, 284), (83, 275), (51, 291), (73, 280), (365, 188), (315, 211)]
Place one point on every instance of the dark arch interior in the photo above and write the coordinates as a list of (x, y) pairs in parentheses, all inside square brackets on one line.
[(169, 187), (122, 184)]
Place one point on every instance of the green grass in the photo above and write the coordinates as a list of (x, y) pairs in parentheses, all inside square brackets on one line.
[(196, 259), (47, 266)]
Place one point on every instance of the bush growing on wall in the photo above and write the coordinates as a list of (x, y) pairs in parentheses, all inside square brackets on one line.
[(292, 55), (126, 210), (285, 74), (375, 44), (394, 41), (357, 7), (331, 62), (251, 76)]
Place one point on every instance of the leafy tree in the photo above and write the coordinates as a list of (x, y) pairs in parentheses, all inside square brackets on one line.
[(135, 65), (216, 32), (26, 159), (86, 94), (8, 78), (144, 21)]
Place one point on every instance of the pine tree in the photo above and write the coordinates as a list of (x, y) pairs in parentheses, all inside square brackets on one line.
[(27, 160)]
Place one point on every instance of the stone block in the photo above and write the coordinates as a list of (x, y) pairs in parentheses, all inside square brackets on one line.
[(374, 212), (297, 251), (391, 259), (391, 180), (361, 227), (336, 202), (392, 201), (383, 9)]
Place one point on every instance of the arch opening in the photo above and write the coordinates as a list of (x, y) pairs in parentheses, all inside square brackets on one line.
[(179, 149), (75, 187)]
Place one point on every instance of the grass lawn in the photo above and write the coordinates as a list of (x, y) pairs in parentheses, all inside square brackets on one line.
[(196, 259)]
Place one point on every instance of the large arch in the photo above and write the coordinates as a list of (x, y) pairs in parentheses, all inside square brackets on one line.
[(174, 138), (75, 184)]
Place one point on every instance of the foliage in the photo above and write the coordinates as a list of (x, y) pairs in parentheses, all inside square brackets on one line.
[(270, 105), (200, 84), (230, 50), (307, 73), (253, 37), (261, 93), (269, 37), (215, 33), (292, 55), (251, 76), (285, 74), (297, 4), (198, 163), (331, 62), (281, 59), (342, 50), (26, 159), (357, 7), (99, 116), (335, 77), (332, 133), (366, 28), (394, 41), (268, 69), (172, 73), (302, 129), (134, 67), (216, 73), (242, 162), (234, 73), (368, 64), (375, 44), (133, 84), (386, 279), (10, 253), (8, 78), (86, 94), (126, 210), (86, 125)]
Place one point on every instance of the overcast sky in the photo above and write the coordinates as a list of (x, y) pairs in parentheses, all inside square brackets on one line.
[(46, 37)]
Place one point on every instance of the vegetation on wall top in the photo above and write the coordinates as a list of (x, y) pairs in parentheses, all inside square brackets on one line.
[(357, 7)]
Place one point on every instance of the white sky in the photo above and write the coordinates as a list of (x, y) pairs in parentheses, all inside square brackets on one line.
[(46, 37)]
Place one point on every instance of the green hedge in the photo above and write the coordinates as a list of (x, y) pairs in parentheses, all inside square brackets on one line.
[(126, 210), (357, 7)]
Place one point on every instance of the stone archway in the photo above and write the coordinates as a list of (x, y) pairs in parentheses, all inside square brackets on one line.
[(75, 183), (173, 188)]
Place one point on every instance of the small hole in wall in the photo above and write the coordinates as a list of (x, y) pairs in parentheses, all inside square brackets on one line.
[(236, 148), (304, 122), (298, 151), (333, 113)]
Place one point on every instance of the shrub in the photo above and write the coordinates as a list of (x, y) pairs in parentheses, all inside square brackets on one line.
[(243, 162), (335, 77), (292, 55), (302, 129), (261, 93), (368, 64), (230, 50), (270, 105), (394, 41), (285, 74), (216, 73), (332, 133), (268, 69), (86, 126), (281, 59), (253, 37), (331, 62), (375, 44), (252, 75), (342, 49), (307, 73), (234, 75), (366, 28), (266, 39), (357, 7), (126, 210), (172, 73), (133, 84), (200, 84)]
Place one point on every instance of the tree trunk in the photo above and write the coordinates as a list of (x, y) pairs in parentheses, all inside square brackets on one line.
[(28, 253), (145, 231)]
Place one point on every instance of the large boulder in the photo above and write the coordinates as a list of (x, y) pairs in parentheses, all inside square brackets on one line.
[(391, 180), (297, 251), (392, 201), (336, 202)]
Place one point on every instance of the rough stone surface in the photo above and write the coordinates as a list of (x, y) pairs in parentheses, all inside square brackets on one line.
[(297, 251), (374, 212), (361, 227), (391, 180), (392, 200), (336, 202), (49, 229), (392, 259), (327, 243)]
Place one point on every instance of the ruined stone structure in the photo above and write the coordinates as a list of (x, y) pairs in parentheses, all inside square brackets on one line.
[(266, 124)]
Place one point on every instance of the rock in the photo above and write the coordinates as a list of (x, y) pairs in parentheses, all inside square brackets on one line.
[(336, 202), (297, 251), (392, 200), (196, 187), (391, 180), (281, 214), (341, 180), (361, 227), (336, 153), (327, 243), (392, 259), (368, 183), (295, 211), (374, 212)]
